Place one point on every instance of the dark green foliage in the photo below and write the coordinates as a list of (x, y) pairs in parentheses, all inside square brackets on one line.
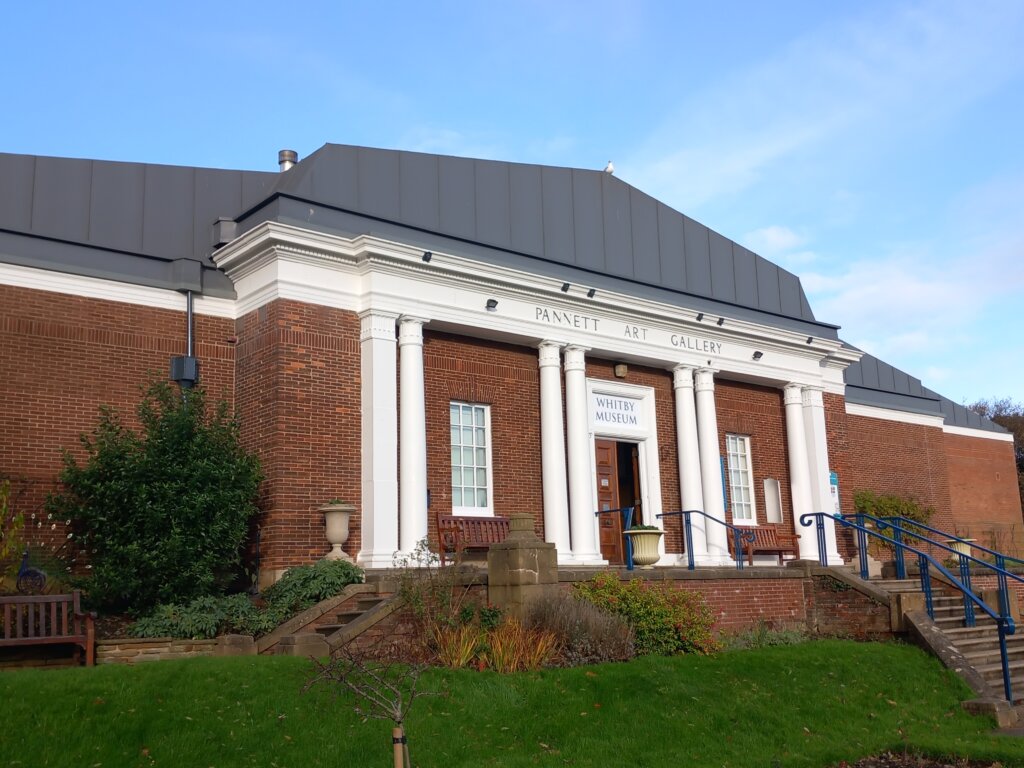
[(161, 513), (891, 505), (305, 585), (664, 620), (207, 617), (764, 635)]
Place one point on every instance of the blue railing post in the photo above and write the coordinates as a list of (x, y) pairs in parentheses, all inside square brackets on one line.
[(1007, 688), (737, 547), (862, 547), (1004, 600), (688, 534), (819, 530), (926, 585), (627, 512), (965, 577), (897, 536)]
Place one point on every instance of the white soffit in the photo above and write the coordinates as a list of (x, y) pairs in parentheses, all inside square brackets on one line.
[(1006, 437), (110, 290)]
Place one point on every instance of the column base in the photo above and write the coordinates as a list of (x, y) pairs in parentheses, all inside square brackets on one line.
[(586, 558), (376, 559), (711, 561)]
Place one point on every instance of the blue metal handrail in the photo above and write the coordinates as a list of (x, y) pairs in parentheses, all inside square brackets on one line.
[(627, 523), (739, 534), (1004, 622), (964, 560)]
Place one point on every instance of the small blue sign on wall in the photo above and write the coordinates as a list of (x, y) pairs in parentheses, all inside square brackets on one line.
[(833, 489)]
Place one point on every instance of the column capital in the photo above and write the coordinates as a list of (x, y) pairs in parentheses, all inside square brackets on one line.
[(793, 394), (813, 397), (550, 354), (575, 358), (375, 324), (410, 330), (682, 377), (705, 380)]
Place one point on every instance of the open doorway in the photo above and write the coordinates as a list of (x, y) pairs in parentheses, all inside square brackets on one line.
[(618, 486)]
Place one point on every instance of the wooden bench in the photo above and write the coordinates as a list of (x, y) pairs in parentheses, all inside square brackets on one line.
[(46, 620), (768, 540), (457, 533)]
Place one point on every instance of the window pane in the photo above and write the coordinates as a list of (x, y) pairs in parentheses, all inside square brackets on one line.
[(467, 457), (454, 414), (481, 478), (479, 417), (455, 435), (456, 497), (467, 435), (456, 456), (481, 457), (467, 414), (480, 439), (481, 498), (456, 477)]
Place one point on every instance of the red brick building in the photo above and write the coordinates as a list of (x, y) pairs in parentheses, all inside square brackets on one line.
[(418, 334)]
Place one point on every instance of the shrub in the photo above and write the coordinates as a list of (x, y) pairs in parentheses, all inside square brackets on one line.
[(305, 585), (890, 505), (207, 617), (664, 620), (162, 513), (585, 633), (511, 647), (764, 635)]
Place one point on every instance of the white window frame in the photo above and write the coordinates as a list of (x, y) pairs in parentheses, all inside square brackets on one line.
[(737, 449), (461, 509)]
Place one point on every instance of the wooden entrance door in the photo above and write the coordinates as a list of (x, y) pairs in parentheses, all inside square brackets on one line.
[(606, 455)]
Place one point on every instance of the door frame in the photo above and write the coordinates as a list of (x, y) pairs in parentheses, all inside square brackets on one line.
[(644, 434)]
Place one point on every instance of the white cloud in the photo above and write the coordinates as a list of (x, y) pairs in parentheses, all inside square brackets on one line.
[(773, 240)]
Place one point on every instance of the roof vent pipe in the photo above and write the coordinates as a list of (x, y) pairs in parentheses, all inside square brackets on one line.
[(286, 158)]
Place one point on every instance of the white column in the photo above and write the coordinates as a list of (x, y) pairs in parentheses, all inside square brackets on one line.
[(552, 450), (582, 521), (817, 453), (799, 475), (711, 468), (688, 450), (412, 446), (379, 404)]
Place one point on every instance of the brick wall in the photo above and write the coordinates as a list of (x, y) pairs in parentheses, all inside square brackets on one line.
[(983, 490), (62, 357), (298, 400), (507, 378), (836, 609)]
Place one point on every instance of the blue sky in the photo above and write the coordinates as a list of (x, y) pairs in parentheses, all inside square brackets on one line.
[(876, 149)]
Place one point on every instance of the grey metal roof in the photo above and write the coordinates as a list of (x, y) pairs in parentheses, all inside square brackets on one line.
[(545, 218), (142, 223), (874, 382)]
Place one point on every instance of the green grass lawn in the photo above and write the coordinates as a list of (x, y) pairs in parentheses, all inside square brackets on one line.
[(805, 705)]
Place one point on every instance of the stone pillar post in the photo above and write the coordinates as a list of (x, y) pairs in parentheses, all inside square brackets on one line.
[(521, 569), (582, 522), (379, 439), (799, 475), (817, 453), (412, 511), (711, 468), (552, 450), (688, 450)]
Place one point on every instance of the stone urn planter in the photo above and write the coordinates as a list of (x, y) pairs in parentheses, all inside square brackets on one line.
[(963, 546), (645, 546), (336, 520)]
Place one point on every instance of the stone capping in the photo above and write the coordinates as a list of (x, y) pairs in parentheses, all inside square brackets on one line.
[(302, 620), (132, 650)]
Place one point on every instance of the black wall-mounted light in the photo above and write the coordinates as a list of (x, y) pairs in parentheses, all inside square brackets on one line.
[(492, 305), (591, 292), (427, 256), (758, 354), (700, 316), (810, 339), (565, 287), (721, 321)]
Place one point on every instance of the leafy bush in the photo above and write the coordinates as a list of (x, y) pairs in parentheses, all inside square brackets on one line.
[(162, 513), (305, 585), (511, 647), (890, 505), (664, 620), (206, 617), (586, 634)]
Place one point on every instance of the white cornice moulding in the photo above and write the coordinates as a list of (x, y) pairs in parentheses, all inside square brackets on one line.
[(367, 254), (888, 414), (984, 434), (111, 290)]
